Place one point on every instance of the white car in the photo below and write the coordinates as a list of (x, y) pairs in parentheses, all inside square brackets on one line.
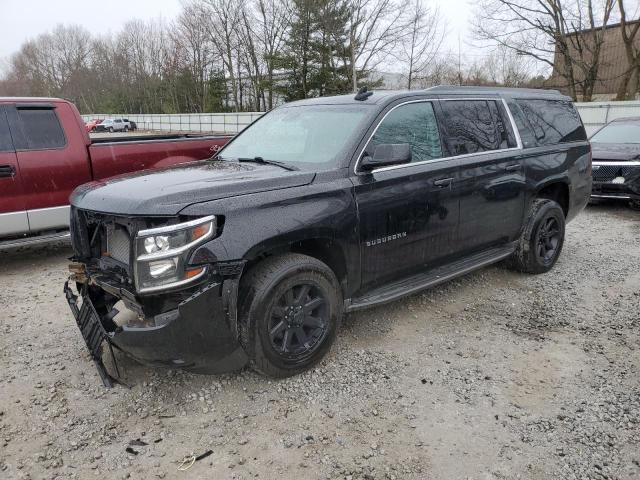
[(113, 125)]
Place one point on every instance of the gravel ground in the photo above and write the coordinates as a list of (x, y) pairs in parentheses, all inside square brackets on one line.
[(495, 375)]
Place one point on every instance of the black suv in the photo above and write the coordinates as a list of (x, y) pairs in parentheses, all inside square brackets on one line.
[(616, 161), (321, 207)]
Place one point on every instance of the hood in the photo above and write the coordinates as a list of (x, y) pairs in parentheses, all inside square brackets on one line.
[(167, 191), (620, 152)]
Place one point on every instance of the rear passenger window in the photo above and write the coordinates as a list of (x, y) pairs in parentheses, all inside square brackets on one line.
[(553, 121), (413, 123), (41, 128), (475, 126), (6, 145)]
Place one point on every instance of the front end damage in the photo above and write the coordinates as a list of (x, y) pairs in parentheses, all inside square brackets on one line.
[(186, 324)]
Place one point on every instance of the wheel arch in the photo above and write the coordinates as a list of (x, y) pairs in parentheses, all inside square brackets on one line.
[(557, 191), (322, 248)]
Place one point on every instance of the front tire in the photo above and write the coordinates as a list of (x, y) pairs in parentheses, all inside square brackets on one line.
[(541, 241), (290, 310)]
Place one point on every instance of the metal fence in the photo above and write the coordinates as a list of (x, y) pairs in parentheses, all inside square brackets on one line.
[(594, 115), (187, 122)]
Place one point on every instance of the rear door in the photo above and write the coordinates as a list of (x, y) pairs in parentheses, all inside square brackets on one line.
[(492, 184), (52, 161), (13, 215), (408, 213)]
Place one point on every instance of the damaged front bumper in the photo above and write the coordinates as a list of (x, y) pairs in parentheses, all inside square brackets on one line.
[(199, 335)]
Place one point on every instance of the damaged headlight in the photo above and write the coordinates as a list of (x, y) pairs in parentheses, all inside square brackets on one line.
[(162, 254)]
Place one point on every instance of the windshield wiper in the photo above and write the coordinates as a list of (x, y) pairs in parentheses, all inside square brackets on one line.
[(261, 160)]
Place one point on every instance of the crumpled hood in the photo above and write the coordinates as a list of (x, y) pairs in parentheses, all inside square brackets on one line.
[(620, 152), (167, 191)]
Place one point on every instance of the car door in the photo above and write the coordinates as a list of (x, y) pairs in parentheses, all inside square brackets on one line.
[(52, 162), (492, 186), (408, 214), (13, 215)]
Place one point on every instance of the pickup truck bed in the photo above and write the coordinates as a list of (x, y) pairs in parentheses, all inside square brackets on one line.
[(45, 153)]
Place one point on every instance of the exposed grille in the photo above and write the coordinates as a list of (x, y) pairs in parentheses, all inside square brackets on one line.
[(606, 173), (118, 244)]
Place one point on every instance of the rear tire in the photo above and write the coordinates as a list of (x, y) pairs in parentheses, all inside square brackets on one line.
[(126, 129), (541, 241), (290, 309), (110, 129)]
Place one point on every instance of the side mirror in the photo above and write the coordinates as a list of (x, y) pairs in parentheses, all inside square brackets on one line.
[(386, 155)]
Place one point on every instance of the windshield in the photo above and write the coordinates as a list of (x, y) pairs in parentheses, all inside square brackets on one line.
[(309, 137), (618, 133)]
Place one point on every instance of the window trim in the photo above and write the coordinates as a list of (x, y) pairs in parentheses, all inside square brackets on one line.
[(4, 117), (26, 134), (423, 162)]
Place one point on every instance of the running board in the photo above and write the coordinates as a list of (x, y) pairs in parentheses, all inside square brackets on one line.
[(421, 281), (28, 241)]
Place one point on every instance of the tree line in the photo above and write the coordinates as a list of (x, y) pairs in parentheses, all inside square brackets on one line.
[(250, 55), (229, 55), (569, 37)]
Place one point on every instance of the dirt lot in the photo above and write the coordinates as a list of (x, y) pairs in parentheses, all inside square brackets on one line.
[(496, 375)]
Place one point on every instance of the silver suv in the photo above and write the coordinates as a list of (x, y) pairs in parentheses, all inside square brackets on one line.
[(113, 125)]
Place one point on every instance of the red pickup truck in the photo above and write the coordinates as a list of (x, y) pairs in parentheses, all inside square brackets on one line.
[(45, 152)]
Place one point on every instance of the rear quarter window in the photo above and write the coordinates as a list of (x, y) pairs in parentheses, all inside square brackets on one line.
[(552, 121), (41, 128)]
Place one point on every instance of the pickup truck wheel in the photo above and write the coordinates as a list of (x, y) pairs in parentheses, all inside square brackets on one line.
[(126, 129), (110, 129), (290, 310), (541, 240)]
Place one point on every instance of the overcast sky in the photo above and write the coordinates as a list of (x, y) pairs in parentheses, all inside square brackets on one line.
[(21, 20)]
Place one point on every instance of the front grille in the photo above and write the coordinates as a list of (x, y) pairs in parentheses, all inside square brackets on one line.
[(118, 244), (606, 173)]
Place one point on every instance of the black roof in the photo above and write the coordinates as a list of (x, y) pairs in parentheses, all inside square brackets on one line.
[(386, 96)]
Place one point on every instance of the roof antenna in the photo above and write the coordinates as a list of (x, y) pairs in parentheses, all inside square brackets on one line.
[(363, 94)]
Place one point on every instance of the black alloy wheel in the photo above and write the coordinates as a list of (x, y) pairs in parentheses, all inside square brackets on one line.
[(541, 239), (298, 321), (548, 240), (289, 310)]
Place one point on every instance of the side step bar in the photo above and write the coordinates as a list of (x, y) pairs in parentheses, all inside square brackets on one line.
[(37, 240), (428, 279)]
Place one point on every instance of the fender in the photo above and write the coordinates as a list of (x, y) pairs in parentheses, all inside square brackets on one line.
[(257, 224)]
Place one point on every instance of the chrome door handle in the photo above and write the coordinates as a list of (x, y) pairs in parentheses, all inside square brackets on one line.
[(443, 182), (513, 168)]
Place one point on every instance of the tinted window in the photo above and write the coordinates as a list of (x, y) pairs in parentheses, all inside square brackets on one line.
[(553, 121), (41, 128), (413, 123), (470, 126), (6, 145)]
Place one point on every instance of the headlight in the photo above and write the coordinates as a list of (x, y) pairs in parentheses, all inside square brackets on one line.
[(162, 254)]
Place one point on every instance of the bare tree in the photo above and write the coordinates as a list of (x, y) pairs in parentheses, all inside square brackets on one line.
[(191, 36), (225, 16), (572, 32), (375, 28), (631, 79), (272, 21), (423, 40)]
